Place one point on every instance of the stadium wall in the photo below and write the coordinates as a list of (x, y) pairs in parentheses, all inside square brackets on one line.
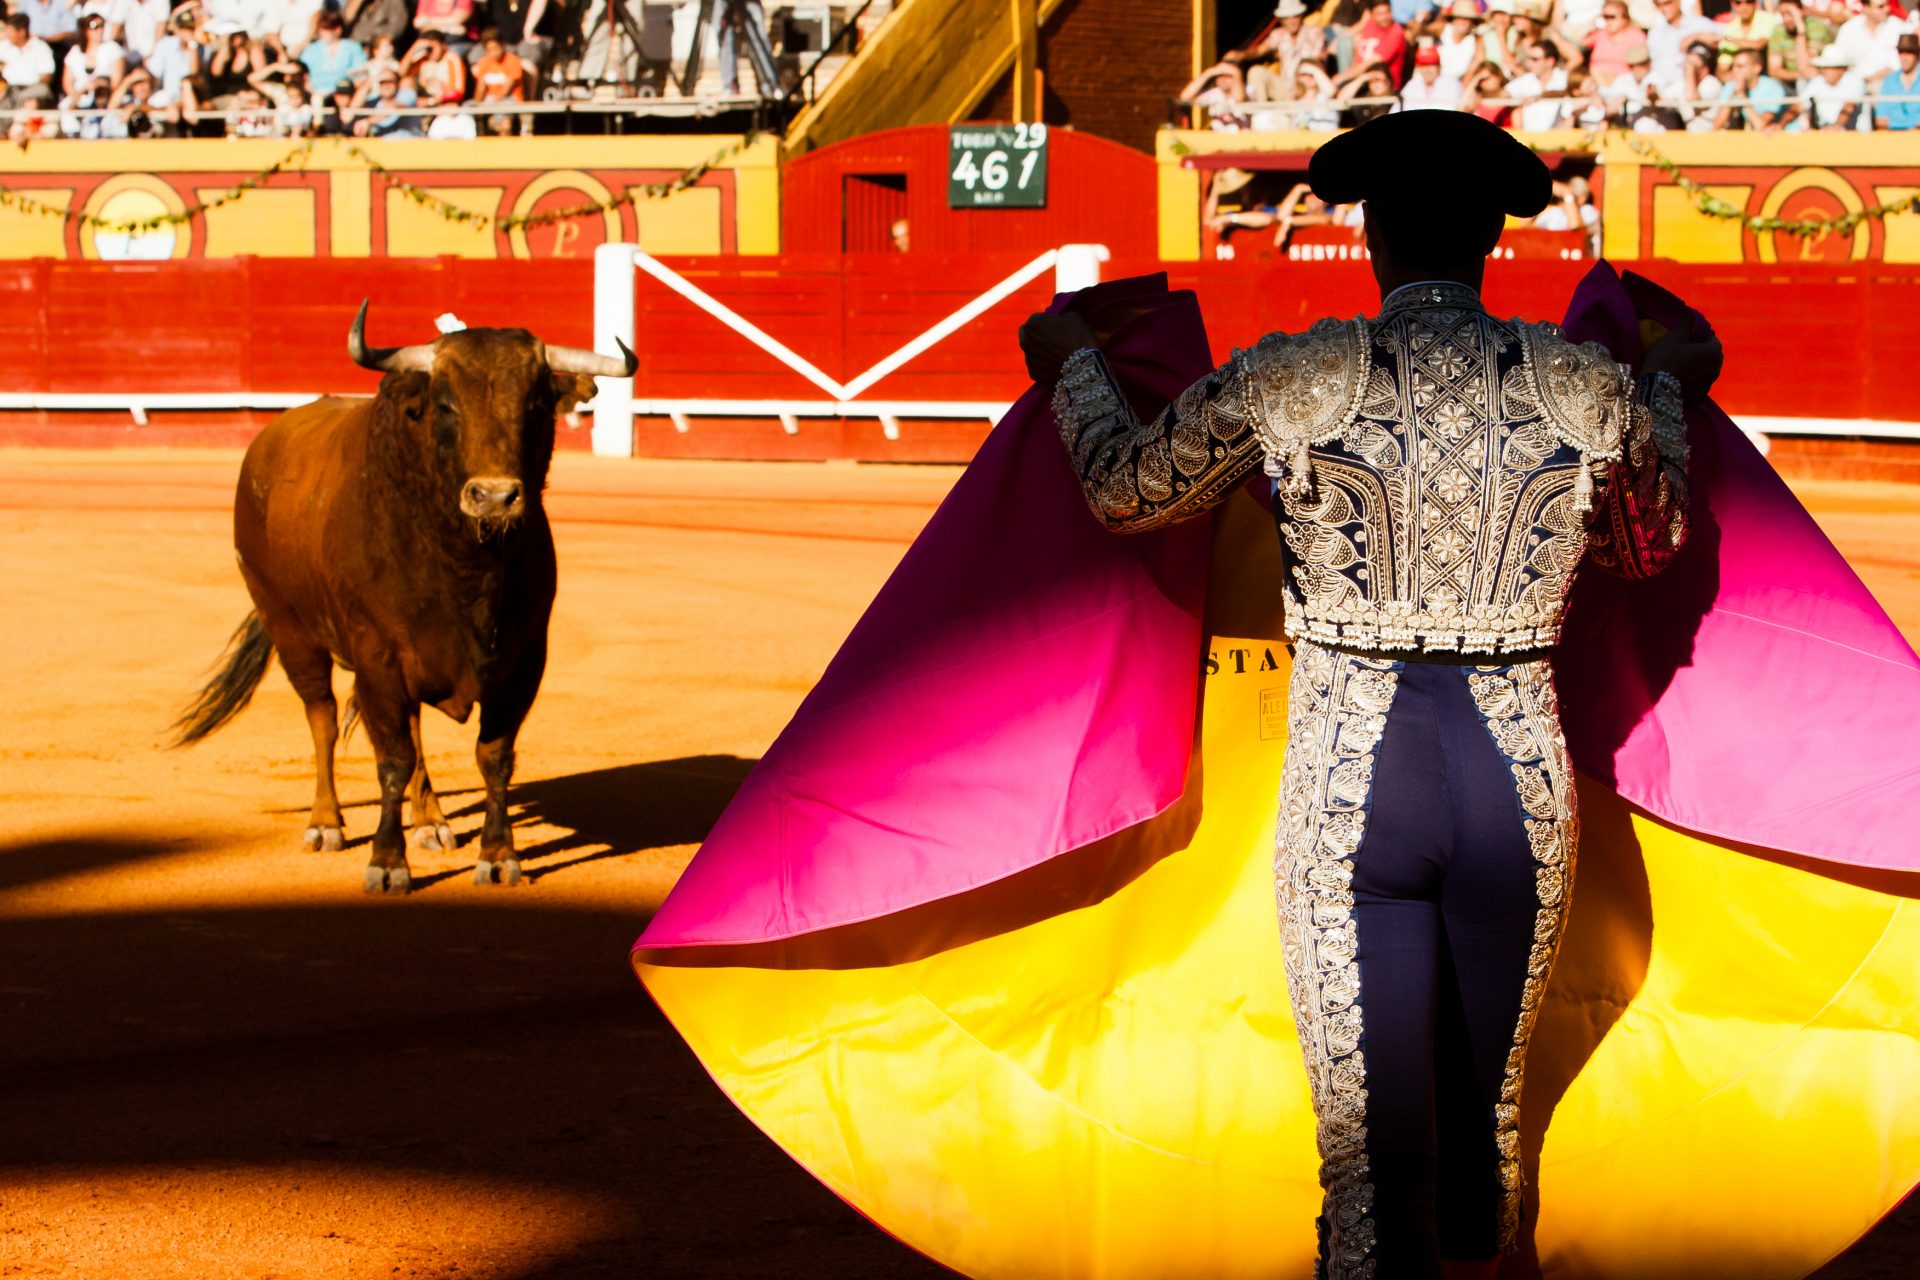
[(97, 349)]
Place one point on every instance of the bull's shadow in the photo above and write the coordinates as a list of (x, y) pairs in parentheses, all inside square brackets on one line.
[(608, 813)]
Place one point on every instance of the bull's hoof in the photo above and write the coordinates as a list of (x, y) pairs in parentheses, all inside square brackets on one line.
[(388, 880), (324, 839), (434, 838), (505, 871)]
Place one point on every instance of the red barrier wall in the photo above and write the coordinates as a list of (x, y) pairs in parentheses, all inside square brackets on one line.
[(1801, 341)]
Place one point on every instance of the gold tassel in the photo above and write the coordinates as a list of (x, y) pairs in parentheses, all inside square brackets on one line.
[(1583, 488), (1300, 467)]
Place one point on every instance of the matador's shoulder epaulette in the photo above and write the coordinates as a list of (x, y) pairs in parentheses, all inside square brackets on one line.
[(1304, 388)]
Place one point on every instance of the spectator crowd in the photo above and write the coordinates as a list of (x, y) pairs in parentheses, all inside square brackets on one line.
[(296, 68), (1646, 65)]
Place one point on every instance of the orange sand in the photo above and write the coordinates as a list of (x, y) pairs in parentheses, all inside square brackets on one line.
[(221, 1059)]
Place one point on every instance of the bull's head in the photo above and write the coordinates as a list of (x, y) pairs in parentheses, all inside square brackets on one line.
[(490, 397)]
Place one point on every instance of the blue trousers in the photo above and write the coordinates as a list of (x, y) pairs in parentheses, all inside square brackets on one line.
[(1425, 849)]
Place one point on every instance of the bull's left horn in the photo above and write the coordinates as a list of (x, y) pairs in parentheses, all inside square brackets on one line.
[(418, 358), (574, 360)]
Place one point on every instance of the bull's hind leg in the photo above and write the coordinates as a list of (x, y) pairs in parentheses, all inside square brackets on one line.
[(430, 829), (383, 706), (500, 720), (310, 670)]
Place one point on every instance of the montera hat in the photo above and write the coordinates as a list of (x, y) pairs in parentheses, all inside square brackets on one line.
[(1448, 156)]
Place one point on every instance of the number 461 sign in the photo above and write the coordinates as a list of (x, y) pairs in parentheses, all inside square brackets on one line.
[(997, 166)]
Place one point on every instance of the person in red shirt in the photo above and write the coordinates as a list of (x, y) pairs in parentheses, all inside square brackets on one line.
[(1378, 41)]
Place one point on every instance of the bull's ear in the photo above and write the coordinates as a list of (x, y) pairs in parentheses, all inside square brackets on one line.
[(569, 389)]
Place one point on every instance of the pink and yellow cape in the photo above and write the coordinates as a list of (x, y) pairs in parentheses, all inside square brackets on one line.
[(987, 941)]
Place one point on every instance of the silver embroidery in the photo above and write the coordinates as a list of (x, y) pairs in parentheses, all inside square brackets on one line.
[(1521, 713), (1337, 712), (1446, 509)]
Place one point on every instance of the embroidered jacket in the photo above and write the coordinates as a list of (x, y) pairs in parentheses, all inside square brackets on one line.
[(1441, 473)]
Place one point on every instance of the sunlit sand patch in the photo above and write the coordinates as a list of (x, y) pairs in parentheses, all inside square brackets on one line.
[(287, 1223)]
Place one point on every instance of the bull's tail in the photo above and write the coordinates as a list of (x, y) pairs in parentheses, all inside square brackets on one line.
[(238, 674)]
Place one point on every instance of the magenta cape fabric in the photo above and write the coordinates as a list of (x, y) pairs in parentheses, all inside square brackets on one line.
[(1025, 683)]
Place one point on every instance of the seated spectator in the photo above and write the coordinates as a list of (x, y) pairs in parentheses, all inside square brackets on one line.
[(1609, 43), (136, 26), (1836, 97), (439, 73), (89, 113), (1380, 42), (1585, 108), (1487, 82), (255, 119), (368, 20), (1628, 93), (1576, 20), (1459, 41), (94, 55), (380, 118), (26, 63), (1499, 39), (1290, 43), (380, 57), (1542, 92), (1746, 26), (1902, 82), (1697, 95), (230, 69), (287, 26), (1222, 90), (499, 76), (449, 18), (1672, 29), (175, 60), (1314, 107), (284, 84), (1751, 98), (519, 22), (331, 57), (1373, 83), (143, 114), (1796, 42), (1871, 40), (1530, 24), (1428, 90), (55, 21)]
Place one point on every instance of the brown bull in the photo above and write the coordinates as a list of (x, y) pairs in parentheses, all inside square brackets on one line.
[(403, 537)]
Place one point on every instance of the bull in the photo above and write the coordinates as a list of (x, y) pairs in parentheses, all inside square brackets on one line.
[(404, 538)]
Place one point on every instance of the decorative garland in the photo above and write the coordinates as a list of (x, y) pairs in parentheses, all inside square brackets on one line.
[(11, 199), (455, 213), (1808, 228), (297, 158)]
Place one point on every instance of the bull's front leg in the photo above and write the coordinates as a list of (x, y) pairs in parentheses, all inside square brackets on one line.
[(384, 707), (500, 720)]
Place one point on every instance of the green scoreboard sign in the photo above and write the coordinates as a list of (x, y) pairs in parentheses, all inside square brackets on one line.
[(997, 166)]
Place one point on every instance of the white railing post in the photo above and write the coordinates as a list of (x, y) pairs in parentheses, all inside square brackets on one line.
[(1078, 266), (613, 302)]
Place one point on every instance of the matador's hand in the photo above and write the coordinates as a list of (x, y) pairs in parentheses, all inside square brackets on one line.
[(1690, 353), (1047, 341)]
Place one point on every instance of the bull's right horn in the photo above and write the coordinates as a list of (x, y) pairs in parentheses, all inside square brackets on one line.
[(592, 363), (417, 358)]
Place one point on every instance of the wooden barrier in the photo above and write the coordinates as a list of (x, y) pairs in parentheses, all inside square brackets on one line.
[(1802, 341)]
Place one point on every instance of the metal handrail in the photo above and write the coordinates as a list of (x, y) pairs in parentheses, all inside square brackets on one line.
[(849, 24)]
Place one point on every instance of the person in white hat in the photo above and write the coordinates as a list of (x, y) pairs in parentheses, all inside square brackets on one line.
[(1836, 96), (1290, 43), (1459, 42)]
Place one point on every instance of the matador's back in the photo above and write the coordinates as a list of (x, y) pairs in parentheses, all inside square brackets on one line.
[(1441, 473)]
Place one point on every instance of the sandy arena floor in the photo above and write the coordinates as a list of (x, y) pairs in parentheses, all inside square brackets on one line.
[(222, 1060)]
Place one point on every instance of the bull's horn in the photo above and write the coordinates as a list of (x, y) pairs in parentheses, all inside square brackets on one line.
[(574, 360), (417, 358)]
